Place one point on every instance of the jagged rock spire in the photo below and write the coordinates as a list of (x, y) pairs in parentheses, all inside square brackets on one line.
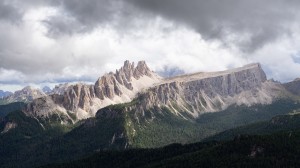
[(109, 84)]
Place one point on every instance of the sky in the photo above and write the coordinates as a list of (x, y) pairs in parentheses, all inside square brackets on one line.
[(46, 42)]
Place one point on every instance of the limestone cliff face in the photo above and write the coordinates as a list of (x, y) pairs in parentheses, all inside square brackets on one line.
[(112, 84), (208, 92), (61, 89), (83, 100), (187, 95)]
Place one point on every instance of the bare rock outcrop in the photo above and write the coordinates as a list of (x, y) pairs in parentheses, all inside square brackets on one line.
[(188, 95), (27, 94), (208, 92), (9, 126), (83, 100)]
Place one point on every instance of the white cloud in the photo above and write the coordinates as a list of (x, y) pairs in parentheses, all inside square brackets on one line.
[(277, 58), (29, 55), (11, 76)]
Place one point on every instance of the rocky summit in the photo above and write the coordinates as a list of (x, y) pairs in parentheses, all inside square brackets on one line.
[(193, 94), (187, 95), (27, 94), (83, 101), (133, 107)]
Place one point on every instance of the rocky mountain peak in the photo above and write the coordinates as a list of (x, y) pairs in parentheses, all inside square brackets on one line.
[(84, 100), (128, 66), (27, 94), (192, 93), (197, 93), (108, 84), (28, 88), (4, 94), (61, 88), (47, 89), (142, 69)]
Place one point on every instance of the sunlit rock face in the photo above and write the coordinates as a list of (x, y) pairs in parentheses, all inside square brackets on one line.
[(83, 100), (198, 93)]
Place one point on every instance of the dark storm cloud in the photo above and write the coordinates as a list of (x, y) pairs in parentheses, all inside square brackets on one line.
[(9, 12), (257, 21), (262, 20), (60, 25), (79, 16), (91, 12)]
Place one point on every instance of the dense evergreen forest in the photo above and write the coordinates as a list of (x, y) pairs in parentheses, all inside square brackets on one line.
[(275, 150)]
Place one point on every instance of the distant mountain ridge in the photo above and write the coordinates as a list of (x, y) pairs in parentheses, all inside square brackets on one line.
[(46, 89), (4, 94), (27, 94)]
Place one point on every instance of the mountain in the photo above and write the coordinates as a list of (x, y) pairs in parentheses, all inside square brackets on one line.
[(83, 101), (293, 86), (46, 89), (60, 89), (187, 95), (27, 94), (4, 94), (135, 108), (194, 94), (114, 128)]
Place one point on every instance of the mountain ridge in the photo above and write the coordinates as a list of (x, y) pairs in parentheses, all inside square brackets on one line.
[(27, 94), (199, 93), (152, 115), (84, 100), (187, 95), (4, 94)]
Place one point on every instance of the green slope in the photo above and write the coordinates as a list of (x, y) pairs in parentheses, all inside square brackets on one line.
[(18, 139), (168, 128), (55, 142), (147, 132), (19, 142), (5, 109), (276, 150), (115, 128), (288, 122)]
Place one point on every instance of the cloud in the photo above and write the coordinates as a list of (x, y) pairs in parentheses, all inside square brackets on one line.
[(75, 40), (79, 16), (28, 49), (9, 12), (280, 59), (10, 76), (247, 24), (170, 71)]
